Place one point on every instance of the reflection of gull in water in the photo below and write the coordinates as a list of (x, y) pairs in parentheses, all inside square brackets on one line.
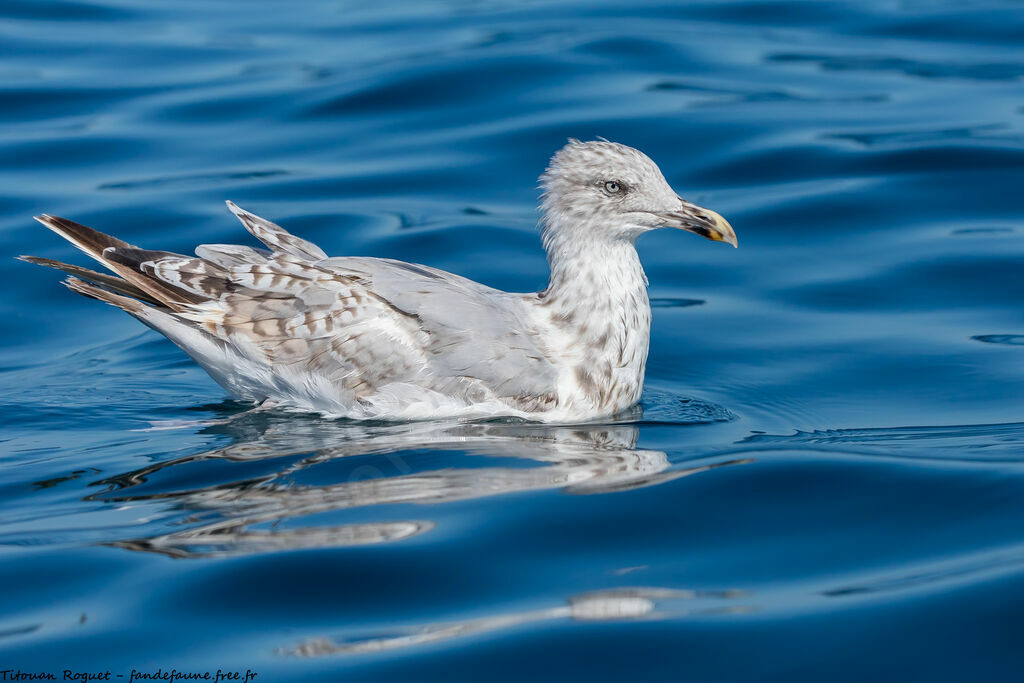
[(603, 605), (232, 537), (581, 460)]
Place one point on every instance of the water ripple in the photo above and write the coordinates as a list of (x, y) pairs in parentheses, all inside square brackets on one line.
[(193, 179)]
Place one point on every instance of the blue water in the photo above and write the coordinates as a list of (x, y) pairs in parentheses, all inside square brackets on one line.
[(827, 478)]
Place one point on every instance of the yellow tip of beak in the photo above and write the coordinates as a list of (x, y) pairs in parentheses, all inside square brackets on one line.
[(722, 231)]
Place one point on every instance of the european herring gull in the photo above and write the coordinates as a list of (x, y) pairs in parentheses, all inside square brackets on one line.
[(373, 338)]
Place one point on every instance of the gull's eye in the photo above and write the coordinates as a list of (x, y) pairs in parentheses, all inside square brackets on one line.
[(612, 187)]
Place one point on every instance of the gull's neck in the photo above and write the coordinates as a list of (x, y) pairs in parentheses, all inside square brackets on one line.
[(593, 270), (597, 297), (588, 265)]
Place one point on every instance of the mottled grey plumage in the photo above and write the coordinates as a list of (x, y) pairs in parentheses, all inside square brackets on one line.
[(377, 338)]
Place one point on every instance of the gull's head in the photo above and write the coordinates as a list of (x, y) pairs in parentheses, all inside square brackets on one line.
[(617, 192)]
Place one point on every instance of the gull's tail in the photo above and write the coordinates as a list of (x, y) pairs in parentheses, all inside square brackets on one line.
[(123, 259), (135, 289)]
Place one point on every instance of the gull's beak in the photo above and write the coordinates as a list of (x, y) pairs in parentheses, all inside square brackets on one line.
[(703, 222)]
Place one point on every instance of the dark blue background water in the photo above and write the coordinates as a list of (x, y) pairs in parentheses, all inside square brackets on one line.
[(845, 390)]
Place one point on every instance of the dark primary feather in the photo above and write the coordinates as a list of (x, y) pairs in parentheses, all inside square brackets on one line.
[(92, 242), (111, 282), (127, 304), (105, 248)]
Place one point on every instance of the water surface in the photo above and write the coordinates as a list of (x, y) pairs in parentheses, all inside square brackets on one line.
[(825, 481)]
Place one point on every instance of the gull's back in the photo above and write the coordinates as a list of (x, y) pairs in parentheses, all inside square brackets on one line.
[(466, 342)]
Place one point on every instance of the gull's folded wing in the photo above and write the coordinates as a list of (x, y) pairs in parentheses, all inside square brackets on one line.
[(330, 334)]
